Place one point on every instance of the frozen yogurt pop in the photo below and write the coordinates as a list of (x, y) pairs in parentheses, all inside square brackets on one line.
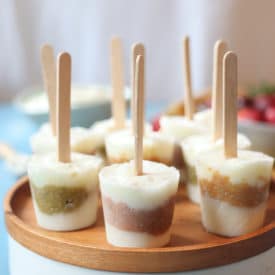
[(118, 121), (195, 146), (119, 145), (157, 147), (138, 196), (181, 127), (138, 210), (64, 185), (82, 140), (65, 195), (234, 191), (234, 183), (45, 140)]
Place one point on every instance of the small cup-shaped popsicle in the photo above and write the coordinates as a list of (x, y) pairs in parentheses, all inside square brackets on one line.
[(138, 209), (82, 140), (234, 191), (65, 194), (181, 127), (192, 148), (157, 147), (103, 128)]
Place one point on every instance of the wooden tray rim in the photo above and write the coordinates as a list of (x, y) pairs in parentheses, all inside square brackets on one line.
[(12, 218)]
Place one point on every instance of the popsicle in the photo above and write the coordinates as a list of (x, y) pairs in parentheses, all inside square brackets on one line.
[(82, 140), (234, 183), (181, 127), (119, 145), (195, 145), (64, 186), (118, 120), (44, 140), (138, 196)]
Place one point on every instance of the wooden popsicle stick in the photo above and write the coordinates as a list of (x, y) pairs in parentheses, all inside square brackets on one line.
[(64, 107), (139, 114), (217, 90), (137, 49), (49, 79), (117, 75), (230, 85), (188, 99)]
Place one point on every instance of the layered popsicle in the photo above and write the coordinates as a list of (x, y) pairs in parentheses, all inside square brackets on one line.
[(65, 194), (138, 209), (234, 191), (82, 140), (195, 146), (156, 147)]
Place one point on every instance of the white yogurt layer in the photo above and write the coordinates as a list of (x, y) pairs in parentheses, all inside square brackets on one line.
[(204, 117), (193, 192), (82, 140), (253, 168), (148, 191), (225, 219), (45, 169), (195, 145), (105, 127), (180, 127), (122, 238), (120, 145)]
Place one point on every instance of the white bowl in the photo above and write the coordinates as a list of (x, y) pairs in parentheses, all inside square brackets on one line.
[(262, 136), (89, 104)]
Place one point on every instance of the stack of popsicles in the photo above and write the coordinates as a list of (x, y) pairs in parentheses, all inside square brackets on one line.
[(138, 184)]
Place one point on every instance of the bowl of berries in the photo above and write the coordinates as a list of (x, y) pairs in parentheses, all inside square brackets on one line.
[(256, 117)]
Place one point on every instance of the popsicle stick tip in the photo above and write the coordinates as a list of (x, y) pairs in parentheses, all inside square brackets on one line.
[(64, 57), (186, 39), (116, 43), (230, 57), (138, 47), (220, 44), (46, 47)]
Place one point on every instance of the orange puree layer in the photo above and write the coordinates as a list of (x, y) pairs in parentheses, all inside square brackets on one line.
[(242, 194)]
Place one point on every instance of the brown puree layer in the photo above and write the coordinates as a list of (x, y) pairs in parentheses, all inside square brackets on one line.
[(242, 194), (155, 222), (113, 160)]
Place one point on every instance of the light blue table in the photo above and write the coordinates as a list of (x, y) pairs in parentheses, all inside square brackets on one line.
[(15, 130)]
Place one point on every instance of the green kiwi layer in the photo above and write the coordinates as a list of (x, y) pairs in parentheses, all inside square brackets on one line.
[(52, 199), (191, 174)]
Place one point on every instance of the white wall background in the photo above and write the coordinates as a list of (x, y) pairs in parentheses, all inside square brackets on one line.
[(84, 28)]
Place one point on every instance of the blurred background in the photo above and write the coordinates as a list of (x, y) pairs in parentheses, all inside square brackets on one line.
[(84, 28)]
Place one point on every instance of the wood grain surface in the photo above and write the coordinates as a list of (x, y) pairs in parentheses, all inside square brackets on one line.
[(191, 247)]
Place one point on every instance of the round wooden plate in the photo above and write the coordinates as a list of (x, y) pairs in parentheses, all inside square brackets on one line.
[(191, 246)]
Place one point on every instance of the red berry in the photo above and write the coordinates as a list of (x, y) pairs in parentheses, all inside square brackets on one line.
[(249, 113), (261, 102), (269, 115), (156, 124), (245, 101)]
